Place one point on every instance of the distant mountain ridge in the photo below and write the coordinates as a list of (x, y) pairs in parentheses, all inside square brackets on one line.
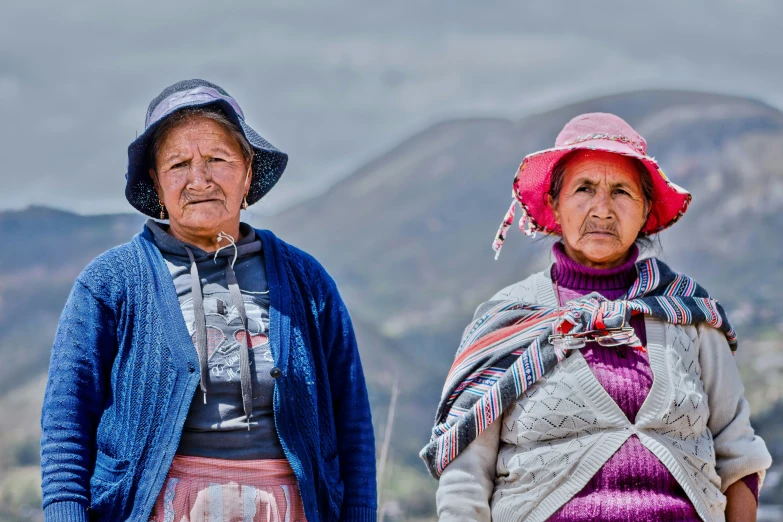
[(407, 237), (440, 195)]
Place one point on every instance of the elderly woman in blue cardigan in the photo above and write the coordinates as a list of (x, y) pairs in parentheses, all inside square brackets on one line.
[(205, 370)]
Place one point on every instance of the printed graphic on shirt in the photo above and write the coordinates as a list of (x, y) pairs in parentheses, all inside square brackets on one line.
[(225, 333)]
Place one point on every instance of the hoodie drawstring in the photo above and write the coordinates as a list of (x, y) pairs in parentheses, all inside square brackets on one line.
[(244, 350), (200, 323), (201, 328)]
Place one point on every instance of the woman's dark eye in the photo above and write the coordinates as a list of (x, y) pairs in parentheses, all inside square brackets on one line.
[(217, 159), (621, 192), (178, 165), (583, 189)]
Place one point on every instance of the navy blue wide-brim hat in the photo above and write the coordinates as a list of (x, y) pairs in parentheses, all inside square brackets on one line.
[(268, 162)]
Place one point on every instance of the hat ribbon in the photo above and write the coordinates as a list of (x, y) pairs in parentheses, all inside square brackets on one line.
[(525, 225), (622, 139), (190, 97)]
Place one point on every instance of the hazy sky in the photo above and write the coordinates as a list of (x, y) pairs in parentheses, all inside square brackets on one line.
[(335, 83)]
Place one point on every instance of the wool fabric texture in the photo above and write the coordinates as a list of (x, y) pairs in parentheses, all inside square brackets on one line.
[(562, 431), (633, 472), (507, 349), (123, 373)]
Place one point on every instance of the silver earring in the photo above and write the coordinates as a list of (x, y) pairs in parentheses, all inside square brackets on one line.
[(244, 202), (162, 211)]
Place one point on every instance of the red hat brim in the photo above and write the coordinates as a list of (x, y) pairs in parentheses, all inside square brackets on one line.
[(534, 177)]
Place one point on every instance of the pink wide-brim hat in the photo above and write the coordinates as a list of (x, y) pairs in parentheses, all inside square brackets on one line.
[(596, 132)]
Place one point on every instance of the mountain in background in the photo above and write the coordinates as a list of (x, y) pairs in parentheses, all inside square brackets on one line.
[(408, 239), (408, 235)]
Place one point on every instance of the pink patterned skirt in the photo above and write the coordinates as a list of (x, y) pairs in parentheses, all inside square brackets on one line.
[(201, 489)]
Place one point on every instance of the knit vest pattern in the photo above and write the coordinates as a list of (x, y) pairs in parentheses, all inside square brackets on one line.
[(566, 427)]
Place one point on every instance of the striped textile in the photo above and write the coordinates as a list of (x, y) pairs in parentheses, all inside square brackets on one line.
[(506, 349), (199, 489)]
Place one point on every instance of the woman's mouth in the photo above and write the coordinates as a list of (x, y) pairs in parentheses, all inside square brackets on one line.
[(600, 233)]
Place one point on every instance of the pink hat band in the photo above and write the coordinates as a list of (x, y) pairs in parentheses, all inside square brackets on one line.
[(640, 147), (596, 132)]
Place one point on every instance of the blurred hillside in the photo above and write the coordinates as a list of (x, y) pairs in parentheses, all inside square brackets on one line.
[(408, 238)]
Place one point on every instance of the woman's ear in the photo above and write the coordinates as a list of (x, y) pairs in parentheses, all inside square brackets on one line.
[(553, 207), (249, 175), (154, 176)]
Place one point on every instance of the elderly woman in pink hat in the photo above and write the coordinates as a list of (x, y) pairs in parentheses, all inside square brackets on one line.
[(603, 388)]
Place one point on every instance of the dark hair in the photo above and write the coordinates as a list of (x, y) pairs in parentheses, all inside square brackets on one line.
[(643, 241), (211, 112)]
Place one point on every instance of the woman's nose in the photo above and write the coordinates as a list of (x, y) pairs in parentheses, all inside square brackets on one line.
[(199, 175), (602, 205)]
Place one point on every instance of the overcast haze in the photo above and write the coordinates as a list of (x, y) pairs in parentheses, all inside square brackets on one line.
[(336, 83)]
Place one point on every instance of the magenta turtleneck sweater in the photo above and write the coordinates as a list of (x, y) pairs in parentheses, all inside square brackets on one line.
[(633, 484)]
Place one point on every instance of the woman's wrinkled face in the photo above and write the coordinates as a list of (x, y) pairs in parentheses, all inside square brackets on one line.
[(201, 175), (601, 208)]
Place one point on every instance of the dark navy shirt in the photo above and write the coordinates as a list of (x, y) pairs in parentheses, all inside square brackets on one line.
[(219, 428)]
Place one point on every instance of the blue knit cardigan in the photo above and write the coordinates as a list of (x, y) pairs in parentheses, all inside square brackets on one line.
[(123, 372)]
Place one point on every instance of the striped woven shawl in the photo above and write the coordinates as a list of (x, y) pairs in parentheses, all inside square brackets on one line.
[(506, 349)]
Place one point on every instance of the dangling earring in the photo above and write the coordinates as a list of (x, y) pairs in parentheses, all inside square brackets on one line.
[(162, 210), (244, 202)]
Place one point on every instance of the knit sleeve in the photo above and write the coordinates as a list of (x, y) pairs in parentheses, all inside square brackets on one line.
[(75, 393), (738, 451), (353, 422), (466, 485)]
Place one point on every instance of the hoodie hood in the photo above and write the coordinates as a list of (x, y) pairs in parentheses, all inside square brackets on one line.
[(249, 244)]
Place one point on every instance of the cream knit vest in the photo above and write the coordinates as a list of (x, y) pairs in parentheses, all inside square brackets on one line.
[(565, 427)]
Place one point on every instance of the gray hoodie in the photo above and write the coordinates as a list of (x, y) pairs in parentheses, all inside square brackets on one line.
[(228, 419)]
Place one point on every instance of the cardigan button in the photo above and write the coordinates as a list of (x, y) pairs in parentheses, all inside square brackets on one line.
[(275, 372), (191, 369)]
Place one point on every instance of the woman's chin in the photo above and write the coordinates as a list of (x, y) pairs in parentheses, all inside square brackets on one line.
[(203, 216), (604, 255)]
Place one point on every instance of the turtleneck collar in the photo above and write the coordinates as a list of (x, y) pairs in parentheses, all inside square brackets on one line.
[(567, 273)]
